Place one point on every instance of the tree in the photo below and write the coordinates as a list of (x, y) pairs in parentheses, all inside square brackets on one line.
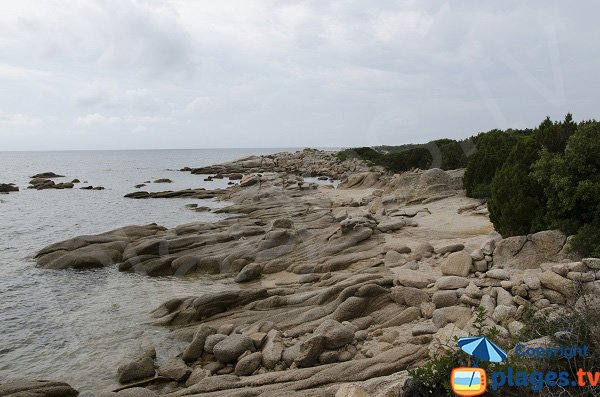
[(517, 203), (493, 148), (571, 183), (554, 136)]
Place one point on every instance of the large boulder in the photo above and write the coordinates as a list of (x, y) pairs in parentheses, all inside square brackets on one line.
[(250, 272), (309, 351), (409, 296), (175, 369), (451, 282), (230, 348), (247, 365), (453, 314), (444, 298), (528, 252), (142, 368), (335, 334), (272, 349), (457, 264), (196, 347), (211, 342), (414, 278), (553, 281)]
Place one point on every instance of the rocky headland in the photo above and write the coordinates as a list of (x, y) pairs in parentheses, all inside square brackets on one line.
[(341, 290)]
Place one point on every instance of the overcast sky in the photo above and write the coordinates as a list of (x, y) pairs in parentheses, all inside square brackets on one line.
[(123, 74)]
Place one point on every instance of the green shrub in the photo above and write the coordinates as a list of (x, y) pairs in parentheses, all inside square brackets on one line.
[(554, 136), (364, 153), (517, 203), (571, 184), (452, 154), (587, 241), (418, 157), (492, 150)]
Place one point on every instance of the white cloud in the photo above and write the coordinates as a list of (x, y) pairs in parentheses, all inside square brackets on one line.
[(200, 105), (100, 95), (211, 73), (18, 120)]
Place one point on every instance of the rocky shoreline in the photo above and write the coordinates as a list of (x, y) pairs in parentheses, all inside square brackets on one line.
[(341, 290)]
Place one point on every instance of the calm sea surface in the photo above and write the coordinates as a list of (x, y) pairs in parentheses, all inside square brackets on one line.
[(77, 326)]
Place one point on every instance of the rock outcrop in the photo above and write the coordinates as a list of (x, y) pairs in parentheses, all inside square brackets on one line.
[(307, 162), (8, 187), (36, 388), (339, 291)]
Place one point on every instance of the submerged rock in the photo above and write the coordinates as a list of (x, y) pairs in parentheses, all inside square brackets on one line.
[(47, 175)]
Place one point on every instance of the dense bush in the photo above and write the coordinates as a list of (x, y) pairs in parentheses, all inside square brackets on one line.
[(571, 183), (444, 153), (517, 204), (418, 157), (492, 150), (554, 136), (364, 153), (452, 154)]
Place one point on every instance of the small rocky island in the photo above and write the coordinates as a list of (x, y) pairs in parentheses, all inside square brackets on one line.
[(341, 290)]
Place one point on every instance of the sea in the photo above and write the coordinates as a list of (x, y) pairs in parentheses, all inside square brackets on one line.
[(78, 326)]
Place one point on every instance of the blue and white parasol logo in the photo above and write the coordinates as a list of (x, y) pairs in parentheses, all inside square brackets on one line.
[(481, 348)]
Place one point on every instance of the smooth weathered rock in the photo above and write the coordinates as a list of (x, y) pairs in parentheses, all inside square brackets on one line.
[(409, 296), (390, 225), (251, 271), (142, 368), (444, 298), (406, 316), (457, 264), (473, 291), (309, 351), (175, 369), (36, 388), (211, 341), (196, 376), (334, 334), (553, 281), (449, 248), (528, 252), (503, 297), (504, 313), (196, 347), (351, 391), (136, 392), (451, 282), (454, 314), (531, 280), (581, 277), (488, 304), (412, 278), (247, 365), (426, 328), (272, 349), (488, 246), (477, 255), (554, 296), (499, 274), (592, 263), (230, 348)]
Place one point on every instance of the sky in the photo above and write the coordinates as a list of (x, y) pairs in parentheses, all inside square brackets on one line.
[(150, 74)]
